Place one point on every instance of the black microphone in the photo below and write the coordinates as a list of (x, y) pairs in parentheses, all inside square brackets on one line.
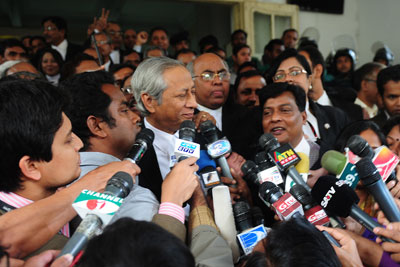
[(185, 146), (250, 171), (119, 186), (242, 214), (187, 131), (360, 147), (372, 180), (284, 157), (268, 170), (217, 148), (258, 216), (144, 140), (336, 196)]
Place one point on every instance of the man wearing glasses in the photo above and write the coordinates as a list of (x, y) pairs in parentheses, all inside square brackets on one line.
[(211, 78), (55, 32), (114, 30)]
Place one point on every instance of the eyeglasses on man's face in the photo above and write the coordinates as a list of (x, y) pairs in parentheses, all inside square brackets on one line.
[(210, 76), (293, 72)]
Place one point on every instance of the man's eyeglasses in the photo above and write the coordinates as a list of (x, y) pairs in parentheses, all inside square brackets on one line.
[(210, 76), (281, 75), (50, 28), (116, 33)]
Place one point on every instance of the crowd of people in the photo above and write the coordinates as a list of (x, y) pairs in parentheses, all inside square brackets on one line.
[(70, 114)]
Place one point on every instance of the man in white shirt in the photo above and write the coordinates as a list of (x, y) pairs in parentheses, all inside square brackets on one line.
[(55, 32), (365, 84), (114, 30)]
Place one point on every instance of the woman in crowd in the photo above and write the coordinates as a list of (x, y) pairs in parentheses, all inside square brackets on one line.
[(49, 62)]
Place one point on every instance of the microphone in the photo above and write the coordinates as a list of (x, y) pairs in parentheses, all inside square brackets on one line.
[(250, 171), (302, 167), (216, 148), (372, 180), (284, 157), (337, 197), (285, 205), (243, 219), (184, 146), (99, 211), (268, 170), (312, 211), (360, 147), (144, 139), (207, 171), (338, 164)]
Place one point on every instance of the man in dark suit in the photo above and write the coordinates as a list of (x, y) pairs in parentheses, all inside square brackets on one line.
[(389, 88), (55, 33), (211, 78)]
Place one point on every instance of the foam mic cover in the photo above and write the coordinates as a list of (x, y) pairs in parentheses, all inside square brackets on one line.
[(144, 139), (302, 195), (224, 218), (243, 219), (187, 131), (263, 161), (334, 198), (303, 166), (209, 131), (268, 142), (205, 160), (269, 192), (250, 170), (333, 161), (360, 147)]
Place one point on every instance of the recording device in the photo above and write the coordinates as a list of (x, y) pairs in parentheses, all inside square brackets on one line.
[(216, 148), (336, 196), (373, 182), (185, 146), (284, 205), (97, 209), (268, 170), (312, 211), (284, 157), (144, 140)]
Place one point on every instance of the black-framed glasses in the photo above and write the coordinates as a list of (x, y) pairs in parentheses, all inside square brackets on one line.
[(210, 76), (293, 72)]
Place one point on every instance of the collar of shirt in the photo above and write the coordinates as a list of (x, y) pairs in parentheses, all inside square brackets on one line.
[(312, 133), (96, 158), (53, 79), (372, 112), (114, 55), (216, 113), (324, 100), (303, 147), (164, 144), (61, 48), (107, 66)]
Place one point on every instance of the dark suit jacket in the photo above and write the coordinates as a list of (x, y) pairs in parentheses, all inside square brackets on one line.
[(380, 118), (72, 50), (344, 98)]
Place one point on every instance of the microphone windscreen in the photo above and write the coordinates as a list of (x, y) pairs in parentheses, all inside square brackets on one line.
[(333, 161), (250, 170), (334, 195), (205, 160), (303, 166), (209, 131), (146, 135), (301, 194), (268, 142), (187, 131), (360, 146)]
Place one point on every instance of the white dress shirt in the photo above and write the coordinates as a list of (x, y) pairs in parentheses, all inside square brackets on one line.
[(324, 100), (216, 113), (307, 129), (115, 56), (61, 48), (303, 147), (372, 112)]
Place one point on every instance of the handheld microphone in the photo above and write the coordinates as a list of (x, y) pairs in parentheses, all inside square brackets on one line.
[(336, 196), (312, 211), (118, 187), (250, 171), (184, 146), (284, 157), (285, 205), (360, 147), (216, 148), (336, 163), (268, 170), (144, 139), (372, 180), (243, 220)]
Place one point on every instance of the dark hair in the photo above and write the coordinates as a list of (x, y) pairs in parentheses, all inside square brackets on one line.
[(276, 89), (37, 37), (179, 37), (184, 51), (69, 68), (357, 127), (237, 32), (207, 40), (246, 74), (288, 30), (390, 123), (215, 50), (11, 42), (272, 43), (130, 51), (315, 56), (297, 242), (40, 54), (157, 29), (387, 74), (88, 99), (363, 72), (247, 64), (117, 67), (30, 115), (237, 48), (136, 243), (60, 23), (345, 52), (288, 53)]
